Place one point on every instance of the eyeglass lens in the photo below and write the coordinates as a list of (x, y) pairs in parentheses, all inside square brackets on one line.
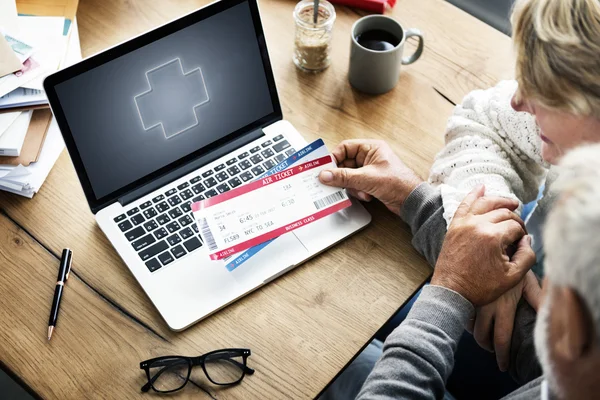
[(224, 368), (169, 374)]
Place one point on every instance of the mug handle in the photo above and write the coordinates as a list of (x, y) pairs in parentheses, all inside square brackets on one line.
[(415, 56)]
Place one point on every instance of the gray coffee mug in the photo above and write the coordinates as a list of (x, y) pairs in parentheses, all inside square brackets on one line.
[(374, 71)]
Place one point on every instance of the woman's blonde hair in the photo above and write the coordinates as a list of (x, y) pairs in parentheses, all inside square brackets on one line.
[(558, 53)]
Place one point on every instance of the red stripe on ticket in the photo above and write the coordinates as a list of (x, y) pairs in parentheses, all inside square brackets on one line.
[(278, 232), (266, 181)]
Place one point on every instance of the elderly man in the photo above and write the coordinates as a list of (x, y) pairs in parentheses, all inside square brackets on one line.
[(418, 356)]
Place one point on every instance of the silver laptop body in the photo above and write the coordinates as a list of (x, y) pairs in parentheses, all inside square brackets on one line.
[(181, 113)]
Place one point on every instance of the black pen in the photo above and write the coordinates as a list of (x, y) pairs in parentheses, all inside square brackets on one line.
[(63, 275)]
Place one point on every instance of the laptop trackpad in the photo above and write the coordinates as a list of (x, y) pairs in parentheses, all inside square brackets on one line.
[(277, 256)]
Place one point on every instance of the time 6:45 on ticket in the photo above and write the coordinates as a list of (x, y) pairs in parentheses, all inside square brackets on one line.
[(254, 213)]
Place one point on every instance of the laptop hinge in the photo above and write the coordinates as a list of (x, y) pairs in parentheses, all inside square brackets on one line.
[(189, 167)]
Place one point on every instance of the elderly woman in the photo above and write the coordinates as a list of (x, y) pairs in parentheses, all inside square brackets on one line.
[(507, 137)]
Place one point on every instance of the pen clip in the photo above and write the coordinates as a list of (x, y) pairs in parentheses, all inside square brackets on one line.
[(69, 267)]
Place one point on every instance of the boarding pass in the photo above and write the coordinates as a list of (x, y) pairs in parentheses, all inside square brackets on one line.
[(264, 209), (311, 151)]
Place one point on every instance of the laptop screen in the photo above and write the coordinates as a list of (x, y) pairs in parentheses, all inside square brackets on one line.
[(150, 107)]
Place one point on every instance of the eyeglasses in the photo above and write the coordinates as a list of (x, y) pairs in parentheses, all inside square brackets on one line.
[(171, 373)]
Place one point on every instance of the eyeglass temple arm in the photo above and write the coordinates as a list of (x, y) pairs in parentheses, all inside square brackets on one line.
[(246, 368), (148, 384), (146, 387)]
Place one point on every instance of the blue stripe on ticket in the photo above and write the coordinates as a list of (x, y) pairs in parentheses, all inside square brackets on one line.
[(246, 255), (237, 260)]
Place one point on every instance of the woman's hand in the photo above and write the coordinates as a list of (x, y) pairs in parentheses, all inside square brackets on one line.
[(493, 325), (369, 168)]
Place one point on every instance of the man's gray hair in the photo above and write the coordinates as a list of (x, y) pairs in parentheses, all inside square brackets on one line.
[(572, 231)]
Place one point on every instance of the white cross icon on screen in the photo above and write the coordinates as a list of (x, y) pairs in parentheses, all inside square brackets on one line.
[(172, 98)]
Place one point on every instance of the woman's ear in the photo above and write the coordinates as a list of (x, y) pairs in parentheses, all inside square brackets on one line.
[(572, 326)]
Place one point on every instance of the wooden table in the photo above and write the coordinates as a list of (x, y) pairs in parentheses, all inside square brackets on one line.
[(304, 327)]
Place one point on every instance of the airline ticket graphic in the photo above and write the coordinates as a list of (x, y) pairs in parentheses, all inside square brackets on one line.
[(314, 150), (264, 209)]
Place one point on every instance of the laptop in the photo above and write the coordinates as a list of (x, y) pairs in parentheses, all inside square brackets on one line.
[(179, 114)]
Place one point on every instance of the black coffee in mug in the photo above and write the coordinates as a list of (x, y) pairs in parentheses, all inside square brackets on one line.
[(377, 53), (377, 40)]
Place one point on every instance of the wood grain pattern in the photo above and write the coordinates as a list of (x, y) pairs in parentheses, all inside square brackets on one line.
[(304, 327), (462, 53), (74, 364)]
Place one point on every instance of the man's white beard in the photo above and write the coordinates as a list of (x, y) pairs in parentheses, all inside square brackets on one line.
[(542, 327)]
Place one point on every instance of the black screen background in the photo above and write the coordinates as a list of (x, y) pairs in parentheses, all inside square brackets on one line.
[(101, 113)]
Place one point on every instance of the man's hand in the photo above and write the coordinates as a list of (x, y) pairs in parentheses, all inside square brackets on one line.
[(493, 325), (369, 168), (474, 261)]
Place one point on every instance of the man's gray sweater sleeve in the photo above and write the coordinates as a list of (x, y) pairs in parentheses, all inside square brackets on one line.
[(423, 212), (418, 356)]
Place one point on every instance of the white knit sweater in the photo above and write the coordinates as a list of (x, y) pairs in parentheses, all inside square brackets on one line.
[(488, 142)]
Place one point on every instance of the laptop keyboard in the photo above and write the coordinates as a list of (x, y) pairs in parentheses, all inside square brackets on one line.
[(163, 229)]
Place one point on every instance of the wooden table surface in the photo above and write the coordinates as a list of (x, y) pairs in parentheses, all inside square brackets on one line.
[(304, 327)]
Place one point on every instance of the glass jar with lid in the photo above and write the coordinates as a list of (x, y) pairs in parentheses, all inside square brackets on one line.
[(312, 43)]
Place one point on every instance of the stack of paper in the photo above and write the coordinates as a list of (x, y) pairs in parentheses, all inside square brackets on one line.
[(26, 181), (30, 141), (11, 141), (30, 48), (23, 99)]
